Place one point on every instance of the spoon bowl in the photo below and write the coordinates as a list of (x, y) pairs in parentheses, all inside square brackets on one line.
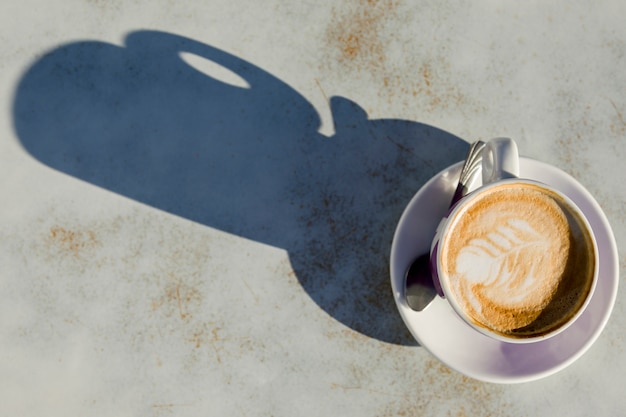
[(419, 289)]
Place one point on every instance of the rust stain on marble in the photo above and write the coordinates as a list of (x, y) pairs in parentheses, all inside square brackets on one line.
[(183, 296), (356, 31), (72, 242), (619, 125), (442, 391), (358, 40), (179, 296)]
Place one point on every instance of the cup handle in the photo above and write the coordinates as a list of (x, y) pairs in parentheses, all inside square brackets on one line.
[(500, 160)]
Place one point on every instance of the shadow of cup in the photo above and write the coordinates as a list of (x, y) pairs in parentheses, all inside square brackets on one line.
[(240, 154)]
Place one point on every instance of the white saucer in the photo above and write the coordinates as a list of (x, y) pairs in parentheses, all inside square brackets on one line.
[(452, 341)]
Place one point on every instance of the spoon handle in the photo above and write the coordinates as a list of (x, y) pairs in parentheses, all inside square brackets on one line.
[(419, 288), (471, 165)]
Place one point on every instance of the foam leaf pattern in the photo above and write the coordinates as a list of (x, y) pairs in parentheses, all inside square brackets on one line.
[(499, 261)]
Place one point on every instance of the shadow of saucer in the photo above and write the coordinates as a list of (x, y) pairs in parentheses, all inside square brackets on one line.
[(244, 158)]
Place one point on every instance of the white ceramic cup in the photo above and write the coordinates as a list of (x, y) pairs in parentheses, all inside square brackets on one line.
[(500, 167)]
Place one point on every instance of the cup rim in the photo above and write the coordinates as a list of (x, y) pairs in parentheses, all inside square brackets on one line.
[(448, 294)]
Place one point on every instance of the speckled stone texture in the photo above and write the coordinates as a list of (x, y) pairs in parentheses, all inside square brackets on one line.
[(200, 197)]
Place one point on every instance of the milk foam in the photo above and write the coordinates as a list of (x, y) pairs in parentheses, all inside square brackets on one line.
[(507, 255)]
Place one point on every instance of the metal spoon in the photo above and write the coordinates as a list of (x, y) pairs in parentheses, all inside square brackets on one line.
[(418, 285)]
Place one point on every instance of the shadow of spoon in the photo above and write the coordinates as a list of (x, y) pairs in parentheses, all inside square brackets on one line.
[(419, 289)]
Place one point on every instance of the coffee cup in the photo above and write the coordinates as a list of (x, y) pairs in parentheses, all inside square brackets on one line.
[(516, 259)]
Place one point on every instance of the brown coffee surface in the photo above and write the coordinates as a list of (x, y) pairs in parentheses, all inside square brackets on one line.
[(518, 260)]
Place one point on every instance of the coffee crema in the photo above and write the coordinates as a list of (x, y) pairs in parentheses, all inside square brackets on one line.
[(518, 259)]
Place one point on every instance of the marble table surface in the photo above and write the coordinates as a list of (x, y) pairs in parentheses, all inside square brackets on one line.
[(200, 196)]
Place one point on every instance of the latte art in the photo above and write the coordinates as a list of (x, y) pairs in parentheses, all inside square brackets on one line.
[(518, 260)]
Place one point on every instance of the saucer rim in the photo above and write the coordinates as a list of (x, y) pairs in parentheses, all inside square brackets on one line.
[(609, 268)]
